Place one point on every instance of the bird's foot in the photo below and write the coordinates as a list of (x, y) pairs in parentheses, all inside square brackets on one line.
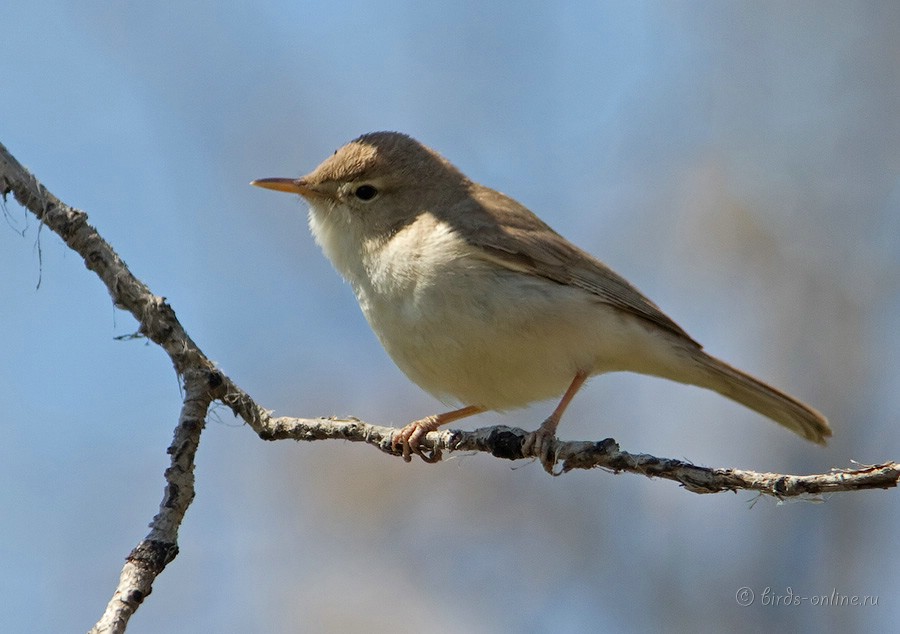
[(407, 440), (541, 444)]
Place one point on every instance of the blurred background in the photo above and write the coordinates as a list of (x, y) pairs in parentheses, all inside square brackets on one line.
[(739, 162)]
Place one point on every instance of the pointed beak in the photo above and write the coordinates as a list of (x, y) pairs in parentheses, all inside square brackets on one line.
[(289, 185)]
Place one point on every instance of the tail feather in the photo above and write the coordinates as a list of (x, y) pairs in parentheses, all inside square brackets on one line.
[(763, 398)]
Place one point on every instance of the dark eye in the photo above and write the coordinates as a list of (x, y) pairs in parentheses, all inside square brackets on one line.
[(365, 192)]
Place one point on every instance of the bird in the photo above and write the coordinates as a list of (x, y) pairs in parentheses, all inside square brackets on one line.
[(482, 304)]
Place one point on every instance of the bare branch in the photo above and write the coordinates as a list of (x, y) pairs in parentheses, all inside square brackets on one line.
[(204, 384), (156, 318), (158, 323), (151, 556), (506, 442)]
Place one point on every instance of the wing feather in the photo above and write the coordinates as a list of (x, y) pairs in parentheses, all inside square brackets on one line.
[(526, 244)]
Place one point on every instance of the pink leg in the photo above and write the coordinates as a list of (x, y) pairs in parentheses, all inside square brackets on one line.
[(539, 443), (409, 437)]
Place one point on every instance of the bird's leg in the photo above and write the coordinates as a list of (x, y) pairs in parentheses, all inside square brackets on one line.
[(409, 437), (540, 443)]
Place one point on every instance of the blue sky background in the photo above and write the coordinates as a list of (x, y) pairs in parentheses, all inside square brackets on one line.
[(739, 162)]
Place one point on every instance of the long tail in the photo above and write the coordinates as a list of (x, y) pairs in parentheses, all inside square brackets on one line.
[(765, 399)]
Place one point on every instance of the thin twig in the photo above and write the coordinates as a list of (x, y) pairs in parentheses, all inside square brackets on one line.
[(160, 546), (506, 442)]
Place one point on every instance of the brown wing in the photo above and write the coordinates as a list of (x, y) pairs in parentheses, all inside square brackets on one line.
[(526, 244)]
